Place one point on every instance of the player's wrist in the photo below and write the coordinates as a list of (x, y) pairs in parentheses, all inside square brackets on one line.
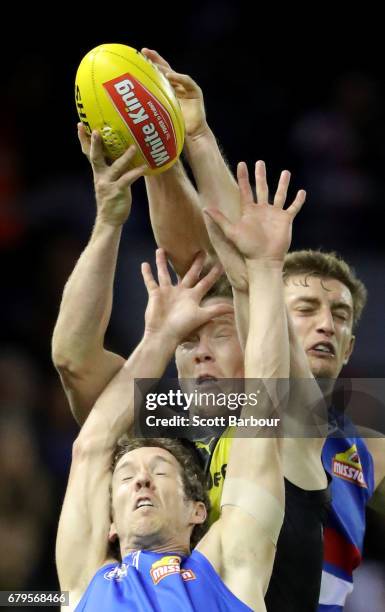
[(161, 339), (200, 134), (264, 271), (108, 222), (176, 170), (264, 263)]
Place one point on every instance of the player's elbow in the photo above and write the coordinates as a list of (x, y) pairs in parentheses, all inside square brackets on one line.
[(66, 362), (82, 448), (89, 442), (60, 353), (60, 359), (79, 449)]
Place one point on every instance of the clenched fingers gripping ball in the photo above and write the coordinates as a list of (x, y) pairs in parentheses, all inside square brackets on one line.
[(123, 95)]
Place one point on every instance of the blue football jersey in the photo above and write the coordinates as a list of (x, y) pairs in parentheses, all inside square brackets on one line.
[(147, 582)]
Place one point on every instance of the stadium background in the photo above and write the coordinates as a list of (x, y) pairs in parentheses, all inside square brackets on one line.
[(306, 97)]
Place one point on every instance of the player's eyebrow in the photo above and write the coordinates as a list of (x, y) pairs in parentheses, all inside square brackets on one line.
[(334, 305), (125, 463), (343, 305), (160, 458), (154, 461), (305, 298)]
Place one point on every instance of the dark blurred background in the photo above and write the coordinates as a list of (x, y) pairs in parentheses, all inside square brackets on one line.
[(308, 97)]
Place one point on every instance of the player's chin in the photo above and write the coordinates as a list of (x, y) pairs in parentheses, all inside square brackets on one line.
[(147, 528), (324, 369)]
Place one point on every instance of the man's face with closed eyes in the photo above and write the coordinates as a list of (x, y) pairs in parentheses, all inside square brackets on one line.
[(212, 351), (149, 504), (321, 310)]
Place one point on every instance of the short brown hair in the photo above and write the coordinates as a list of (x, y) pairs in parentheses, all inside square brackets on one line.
[(221, 289), (327, 265), (194, 481)]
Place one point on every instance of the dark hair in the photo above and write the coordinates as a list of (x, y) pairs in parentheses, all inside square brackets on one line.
[(312, 263), (194, 481), (327, 265)]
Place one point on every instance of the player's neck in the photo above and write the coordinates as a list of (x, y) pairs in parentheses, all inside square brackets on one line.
[(172, 545)]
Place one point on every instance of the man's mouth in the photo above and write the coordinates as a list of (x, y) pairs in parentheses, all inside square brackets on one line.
[(205, 378), (324, 349), (143, 502)]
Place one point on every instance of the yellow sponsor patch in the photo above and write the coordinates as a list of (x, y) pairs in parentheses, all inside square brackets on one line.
[(167, 566), (348, 466)]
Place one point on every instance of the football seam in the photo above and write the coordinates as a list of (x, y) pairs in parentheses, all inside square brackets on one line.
[(94, 88)]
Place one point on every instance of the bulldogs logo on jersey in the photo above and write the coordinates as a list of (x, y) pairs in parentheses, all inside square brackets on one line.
[(117, 573)]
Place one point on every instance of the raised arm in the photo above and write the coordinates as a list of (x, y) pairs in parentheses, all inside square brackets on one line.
[(175, 208), (253, 494), (302, 454), (172, 313), (216, 187), (85, 367), (175, 216)]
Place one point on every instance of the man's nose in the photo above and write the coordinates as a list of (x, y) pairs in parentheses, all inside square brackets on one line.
[(142, 480), (325, 323), (203, 352)]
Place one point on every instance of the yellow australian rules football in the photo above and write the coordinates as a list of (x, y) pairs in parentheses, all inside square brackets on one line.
[(122, 94)]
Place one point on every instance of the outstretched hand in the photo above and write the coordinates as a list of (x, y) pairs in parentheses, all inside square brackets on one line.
[(174, 311), (189, 94), (112, 182), (264, 230)]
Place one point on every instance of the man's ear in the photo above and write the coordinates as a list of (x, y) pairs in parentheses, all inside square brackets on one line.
[(199, 514), (349, 350)]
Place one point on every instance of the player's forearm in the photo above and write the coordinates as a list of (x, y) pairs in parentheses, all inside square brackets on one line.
[(299, 365), (175, 216), (267, 346), (307, 410), (241, 312), (87, 300), (215, 182), (266, 356), (113, 412)]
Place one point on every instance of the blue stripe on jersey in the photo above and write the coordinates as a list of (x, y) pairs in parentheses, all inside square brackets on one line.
[(337, 571)]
